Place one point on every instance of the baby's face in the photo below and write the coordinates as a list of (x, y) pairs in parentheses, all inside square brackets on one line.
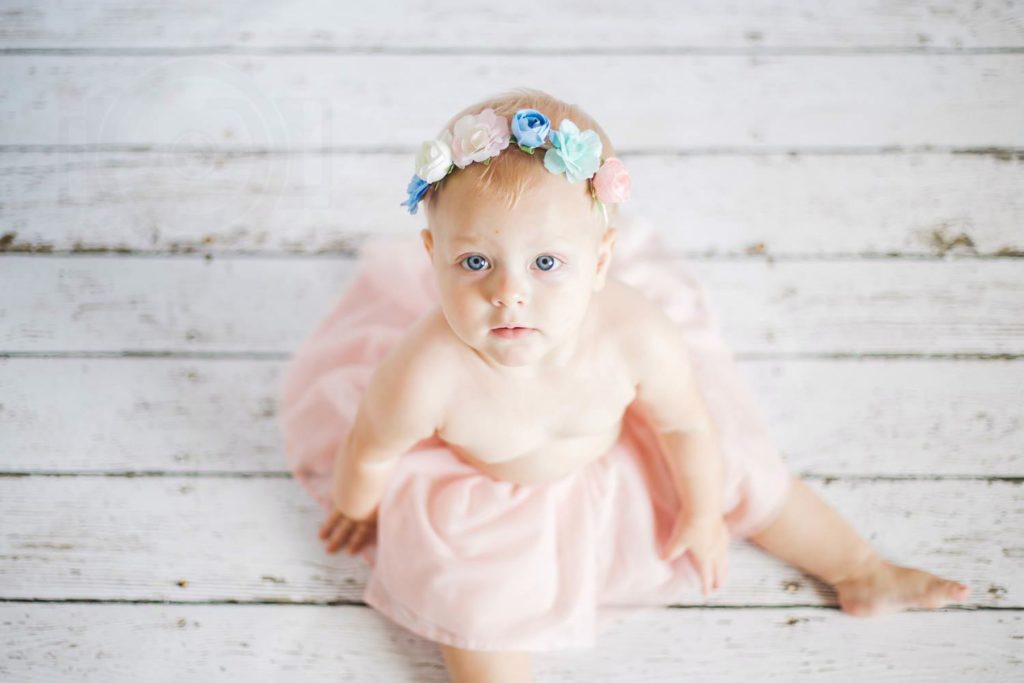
[(534, 266)]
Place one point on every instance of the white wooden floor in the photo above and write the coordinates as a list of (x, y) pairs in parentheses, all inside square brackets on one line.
[(183, 187)]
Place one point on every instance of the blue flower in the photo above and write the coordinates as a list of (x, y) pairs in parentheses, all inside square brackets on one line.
[(576, 154), (416, 189), (530, 127)]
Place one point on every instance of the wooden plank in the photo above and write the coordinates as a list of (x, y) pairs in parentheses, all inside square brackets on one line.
[(209, 415), (349, 101), (103, 303), (830, 417), (599, 24), (779, 204), (244, 539), (307, 644)]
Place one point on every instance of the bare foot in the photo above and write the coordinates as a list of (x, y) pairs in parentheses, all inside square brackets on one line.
[(882, 587)]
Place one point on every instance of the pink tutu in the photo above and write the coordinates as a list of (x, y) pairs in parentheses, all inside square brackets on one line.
[(466, 560)]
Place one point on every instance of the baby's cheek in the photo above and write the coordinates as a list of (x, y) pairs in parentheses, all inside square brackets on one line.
[(465, 310), (567, 311)]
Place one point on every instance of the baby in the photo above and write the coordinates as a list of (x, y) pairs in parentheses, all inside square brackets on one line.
[(523, 395)]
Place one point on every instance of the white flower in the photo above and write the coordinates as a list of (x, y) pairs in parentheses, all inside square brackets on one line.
[(435, 158)]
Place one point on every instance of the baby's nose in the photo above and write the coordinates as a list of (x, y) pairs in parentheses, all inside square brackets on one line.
[(511, 298), (511, 291)]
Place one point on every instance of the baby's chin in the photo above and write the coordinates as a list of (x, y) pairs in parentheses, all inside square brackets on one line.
[(517, 360), (513, 355)]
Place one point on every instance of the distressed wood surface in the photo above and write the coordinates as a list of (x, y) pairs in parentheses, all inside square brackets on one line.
[(245, 539), (351, 102), (308, 644), (798, 143), (598, 25), (779, 204), (174, 304), (830, 417)]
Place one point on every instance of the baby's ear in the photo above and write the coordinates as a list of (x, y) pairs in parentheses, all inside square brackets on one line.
[(428, 241), (604, 257)]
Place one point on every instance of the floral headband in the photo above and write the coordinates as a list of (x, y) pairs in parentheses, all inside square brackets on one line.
[(482, 136)]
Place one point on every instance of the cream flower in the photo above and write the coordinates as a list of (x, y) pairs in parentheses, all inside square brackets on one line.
[(434, 159)]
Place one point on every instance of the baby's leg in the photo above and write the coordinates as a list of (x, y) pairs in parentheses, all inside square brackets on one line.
[(477, 666), (810, 534)]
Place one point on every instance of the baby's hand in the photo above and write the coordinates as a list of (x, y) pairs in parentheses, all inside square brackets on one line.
[(338, 528), (707, 539)]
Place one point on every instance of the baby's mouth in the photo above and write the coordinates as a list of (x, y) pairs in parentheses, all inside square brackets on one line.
[(511, 331)]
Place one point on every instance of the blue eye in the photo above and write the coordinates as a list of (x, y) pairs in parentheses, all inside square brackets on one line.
[(546, 262), (476, 262)]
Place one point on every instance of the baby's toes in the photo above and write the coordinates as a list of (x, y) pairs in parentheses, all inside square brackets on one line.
[(958, 591), (940, 592), (856, 608)]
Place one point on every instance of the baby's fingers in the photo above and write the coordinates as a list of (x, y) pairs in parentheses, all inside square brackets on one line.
[(328, 524), (704, 570), (705, 578), (339, 534), (355, 541), (721, 570)]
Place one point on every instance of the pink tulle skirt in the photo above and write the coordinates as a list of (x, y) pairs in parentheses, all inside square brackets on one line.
[(466, 560)]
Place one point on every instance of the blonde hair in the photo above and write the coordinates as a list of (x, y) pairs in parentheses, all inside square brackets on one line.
[(512, 173)]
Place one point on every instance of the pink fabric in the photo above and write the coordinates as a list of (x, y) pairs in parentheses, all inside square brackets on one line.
[(485, 564)]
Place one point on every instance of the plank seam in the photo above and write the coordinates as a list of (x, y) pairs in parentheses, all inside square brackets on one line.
[(518, 51), (43, 250), (1004, 152), (349, 251), (283, 355), (824, 478), (741, 355), (350, 603)]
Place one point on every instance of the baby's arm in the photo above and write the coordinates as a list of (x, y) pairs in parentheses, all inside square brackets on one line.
[(668, 394), (402, 406)]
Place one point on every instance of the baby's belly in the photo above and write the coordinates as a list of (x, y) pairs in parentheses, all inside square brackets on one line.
[(553, 461)]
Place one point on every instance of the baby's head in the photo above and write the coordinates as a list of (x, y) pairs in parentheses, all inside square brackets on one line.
[(512, 241)]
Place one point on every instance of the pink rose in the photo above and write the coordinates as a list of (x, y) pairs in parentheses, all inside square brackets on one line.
[(478, 138), (611, 182)]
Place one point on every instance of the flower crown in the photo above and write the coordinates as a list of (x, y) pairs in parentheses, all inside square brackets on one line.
[(482, 136)]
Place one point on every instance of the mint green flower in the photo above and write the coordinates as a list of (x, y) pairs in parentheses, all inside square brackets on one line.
[(576, 154)]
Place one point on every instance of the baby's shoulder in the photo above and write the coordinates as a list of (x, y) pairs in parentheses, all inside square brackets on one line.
[(409, 389), (632, 313), (424, 356), (641, 326)]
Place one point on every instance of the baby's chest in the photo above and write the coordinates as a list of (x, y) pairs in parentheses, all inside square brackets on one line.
[(498, 423)]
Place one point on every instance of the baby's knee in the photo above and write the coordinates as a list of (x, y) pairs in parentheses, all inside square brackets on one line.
[(486, 666)]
